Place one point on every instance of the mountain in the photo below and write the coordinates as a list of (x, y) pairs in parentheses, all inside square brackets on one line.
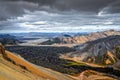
[(80, 39), (103, 51), (7, 39), (14, 67), (20, 69)]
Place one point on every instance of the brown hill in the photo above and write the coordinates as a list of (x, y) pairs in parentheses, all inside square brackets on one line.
[(13, 67)]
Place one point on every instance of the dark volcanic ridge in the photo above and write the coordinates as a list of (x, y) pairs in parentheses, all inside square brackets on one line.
[(7, 39)]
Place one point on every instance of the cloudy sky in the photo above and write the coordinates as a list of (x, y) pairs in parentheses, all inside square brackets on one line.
[(59, 15)]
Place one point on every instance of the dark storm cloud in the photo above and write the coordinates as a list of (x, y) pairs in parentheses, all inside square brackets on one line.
[(113, 7), (11, 9), (84, 5), (14, 8), (80, 5)]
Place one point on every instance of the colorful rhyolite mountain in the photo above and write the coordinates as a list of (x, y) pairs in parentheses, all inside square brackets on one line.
[(81, 39), (103, 51)]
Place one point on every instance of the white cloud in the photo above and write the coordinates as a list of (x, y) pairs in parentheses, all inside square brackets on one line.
[(103, 11), (108, 23), (38, 23)]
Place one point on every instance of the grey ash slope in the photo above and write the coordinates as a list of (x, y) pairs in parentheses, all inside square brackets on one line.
[(103, 51)]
